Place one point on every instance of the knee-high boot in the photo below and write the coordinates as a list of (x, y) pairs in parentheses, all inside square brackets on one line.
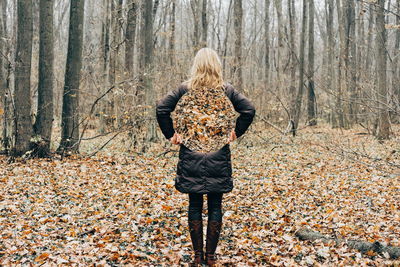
[(213, 232), (196, 234)]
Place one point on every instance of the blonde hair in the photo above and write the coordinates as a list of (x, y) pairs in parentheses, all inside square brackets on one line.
[(206, 70)]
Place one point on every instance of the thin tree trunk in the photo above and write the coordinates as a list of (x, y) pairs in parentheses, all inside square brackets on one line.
[(351, 62), (238, 21), (396, 72), (293, 59), (267, 41), (311, 103), (22, 93), (196, 31), (44, 120), (331, 77), (172, 37), (342, 56), (299, 98), (70, 109), (384, 125), (228, 23), (204, 24), (130, 36), (368, 60), (3, 83), (278, 8)]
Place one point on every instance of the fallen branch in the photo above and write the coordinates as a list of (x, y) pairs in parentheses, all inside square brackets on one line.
[(362, 246)]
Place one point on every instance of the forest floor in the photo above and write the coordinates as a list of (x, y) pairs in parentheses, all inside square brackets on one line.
[(122, 208)]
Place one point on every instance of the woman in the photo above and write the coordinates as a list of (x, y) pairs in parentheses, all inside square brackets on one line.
[(204, 173)]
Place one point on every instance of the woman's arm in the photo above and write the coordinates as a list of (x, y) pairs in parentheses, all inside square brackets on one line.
[(244, 107), (164, 108)]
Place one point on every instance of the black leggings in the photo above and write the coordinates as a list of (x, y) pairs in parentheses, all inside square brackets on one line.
[(214, 203)]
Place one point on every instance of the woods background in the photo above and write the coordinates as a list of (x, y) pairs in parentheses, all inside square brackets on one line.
[(73, 71)]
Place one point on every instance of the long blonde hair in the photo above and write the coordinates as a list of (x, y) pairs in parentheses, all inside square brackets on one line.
[(206, 70)]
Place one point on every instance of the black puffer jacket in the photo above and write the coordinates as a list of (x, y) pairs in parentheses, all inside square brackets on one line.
[(204, 172)]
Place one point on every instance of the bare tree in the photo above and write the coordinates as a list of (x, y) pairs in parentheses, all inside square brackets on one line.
[(204, 24), (278, 8), (238, 21), (70, 108), (22, 93), (172, 32), (331, 53), (342, 55), (292, 52), (130, 36), (395, 65), (311, 103), (44, 121), (195, 6), (267, 41), (383, 125), (146, 64), (300, 92)]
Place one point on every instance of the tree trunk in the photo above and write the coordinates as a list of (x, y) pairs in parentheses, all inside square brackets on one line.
[(237, 66), (44, 120), (146, 66), (267, 41), (351, 61), (130, 36), (311, 103), (22, 93), (278, 8), (396, 72), (293, 59), (3, 84), (204, 24), (384, 125), (70, 106), (368, 61), (172, 37), (341, 76), (331, 77), (299, 98), (194, 4)]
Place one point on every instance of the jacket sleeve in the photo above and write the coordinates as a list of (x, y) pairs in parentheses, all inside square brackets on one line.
[(163, 111), (244, 107)]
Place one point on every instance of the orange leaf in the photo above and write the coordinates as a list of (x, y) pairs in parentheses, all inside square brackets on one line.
[(42, 257)]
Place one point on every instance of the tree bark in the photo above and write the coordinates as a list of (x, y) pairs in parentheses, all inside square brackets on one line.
[(194, 4), (396, 72), (331, 75), (267, 41), (300, 92), (342, 55), (172, 37), (292, 43), (3, 76), (130, 36), (70, 109), (146, 66), (351, 62), (44, 120), (204, 24), (22, 93), (237, 66), (383, 124), (311, 102), (278, 8)]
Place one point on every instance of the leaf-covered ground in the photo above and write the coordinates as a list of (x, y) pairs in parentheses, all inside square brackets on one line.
[(121, 208)]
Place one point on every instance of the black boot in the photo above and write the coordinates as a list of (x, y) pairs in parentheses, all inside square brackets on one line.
[(213, 231), (196, 234)]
